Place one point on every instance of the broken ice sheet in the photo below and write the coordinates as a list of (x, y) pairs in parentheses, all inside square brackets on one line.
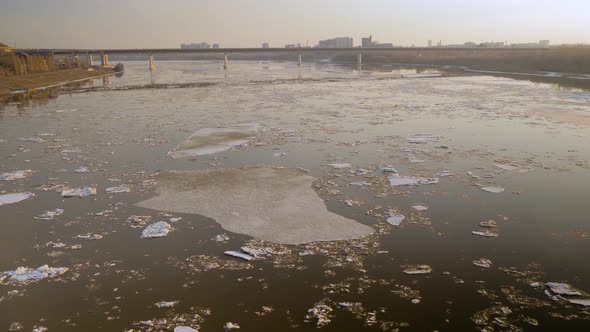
[(398, 180), (14, 198), (273, 204), (559, 288), (118, 190), (159, 229), (238, 254), (483, 262), (339, 165), (493, 189), (16, 175), (166, 304), (24, 275), (419, 207), (422, 139), (418, 269), (207, 141), (79, 192), (395, 219), (49, 215), (486, 233)]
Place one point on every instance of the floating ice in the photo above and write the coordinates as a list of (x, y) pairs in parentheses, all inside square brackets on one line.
[(388, 169), (50, 215), (166, 304), (422, 139), (444, 174), (31, 139), (513, 168), (159, 229), (494, 190), (118, 190), (395, 219), (339, 165), (14, 198), (485, 233), (184, 329), (360, 184), (24, 275), (81, 169), (79, 192), (418, 269), (422, 75), (221, 238), (272, 204), (90, 236), (214, 140), (483, 262), (398, 180), (419, 207), (582, 302), (16, 175), (488, 224), (319, 315), (562, 289), (238, 254), (230, 326)]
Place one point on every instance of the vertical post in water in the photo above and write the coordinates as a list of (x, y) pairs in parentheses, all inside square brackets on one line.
[(225, 64), (89, 58), (104, 59), (152, 62), (77, 60), (360, 62), (300, 62)]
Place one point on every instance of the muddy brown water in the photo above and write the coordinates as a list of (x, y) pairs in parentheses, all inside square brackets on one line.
[(317, 114)]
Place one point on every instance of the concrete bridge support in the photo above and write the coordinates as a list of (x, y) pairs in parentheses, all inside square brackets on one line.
[(300, 62), (104, 60), (76, 59), (360, 62), (152, 62), (89, 58), (225, 62)]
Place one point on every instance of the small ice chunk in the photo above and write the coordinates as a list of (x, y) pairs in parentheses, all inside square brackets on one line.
[(16, 175), (40, 329), (395, 219), (118, 190), (159, 229), (360, 184), (339, 165), (418, 269), (90, 236), (486, 233), (582, 302), (387, 169), (49, 215), (79, 192), (279, 154), (238, 254), (488, 224), (81, 169), (184, 329), (444, 174), (416, 160), (14, 198), (420, 207), (31, 139), (23, 275), (493, 189), (422, 139), (562, 289), (398, 180), (221, 238), (415, 301), (166, 304), (361, 172), (483, 262), (230, 326)]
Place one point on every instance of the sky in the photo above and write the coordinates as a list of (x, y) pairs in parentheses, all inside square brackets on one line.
[(249, 23)]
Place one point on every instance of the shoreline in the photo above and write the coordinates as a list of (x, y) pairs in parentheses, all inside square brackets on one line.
[(11, 86)]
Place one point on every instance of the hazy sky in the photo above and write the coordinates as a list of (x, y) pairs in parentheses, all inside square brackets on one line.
[(244, 23)]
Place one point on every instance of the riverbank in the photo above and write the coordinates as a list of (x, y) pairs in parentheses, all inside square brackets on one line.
[(10, 84)]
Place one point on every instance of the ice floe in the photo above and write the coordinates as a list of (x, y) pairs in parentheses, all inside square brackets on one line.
[(485, 233), (418, 269), (207, 141), (559, 288), (79, 192), (24, 275), (395, 219), (159, 229), (339, 165), (50, 215), (118, 190), (16, 175), (398, 180), (14, 198), (493, 189), (184, 329), (483, 262), (272, 204), (238, 254)]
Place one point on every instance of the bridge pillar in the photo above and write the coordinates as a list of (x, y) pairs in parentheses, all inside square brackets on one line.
[(152, 62), (225, 62), (89, 58), (360, 61), (76, 59), (104, 60), (300, 62)]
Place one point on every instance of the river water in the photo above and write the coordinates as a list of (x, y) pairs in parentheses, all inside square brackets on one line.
[(529, 138)]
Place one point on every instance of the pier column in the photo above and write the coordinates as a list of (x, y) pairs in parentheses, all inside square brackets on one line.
[(225, 62), (360, 62), (152, 62), (104, 60), (89, 58), (300, 62), (76, 59)]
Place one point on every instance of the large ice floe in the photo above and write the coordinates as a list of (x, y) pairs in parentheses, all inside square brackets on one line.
[(25, 275), (213, 140), (14, 198), (272, 204)]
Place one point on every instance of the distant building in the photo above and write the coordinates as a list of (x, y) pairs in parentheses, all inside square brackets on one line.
[(544, 43), (195, 45), (430, 43), (265, 45), (215, 45), (367, 42), (340, 42)]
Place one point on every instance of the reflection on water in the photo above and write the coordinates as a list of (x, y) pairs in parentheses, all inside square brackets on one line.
[(477, 131)]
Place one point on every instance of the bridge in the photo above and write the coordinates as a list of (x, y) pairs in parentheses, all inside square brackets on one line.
[(104, 53)]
